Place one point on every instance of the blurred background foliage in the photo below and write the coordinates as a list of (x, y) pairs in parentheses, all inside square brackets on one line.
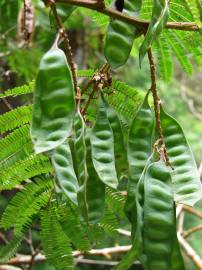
[(181, 95)]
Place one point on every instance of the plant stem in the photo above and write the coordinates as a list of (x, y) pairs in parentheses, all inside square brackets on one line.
[(64, 34), (162, 150), (141, 24)]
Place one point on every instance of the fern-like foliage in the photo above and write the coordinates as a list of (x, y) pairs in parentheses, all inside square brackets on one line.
[(27, 204), (20, 90), (55, 242), (15, 118), (10, 249), (115, 201), (24, 169), (164, 57), (109, 222), (124, 99), (85, 72), (181, 44), (70, 222), (14, 141), (179, 50)]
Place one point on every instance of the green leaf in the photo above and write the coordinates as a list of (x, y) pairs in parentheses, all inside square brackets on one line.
[(20, 90), (9, 250), (164, 56), (15, 118), (160, 14), (179, 50), (55, 242), (27, 204), (70, 222)]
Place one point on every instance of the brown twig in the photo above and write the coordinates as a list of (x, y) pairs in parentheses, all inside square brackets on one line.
[(190, 252), (141, 24), (192, 211), (21, 259), (105, 68), (192, 230), (162, 150), (64, 35)]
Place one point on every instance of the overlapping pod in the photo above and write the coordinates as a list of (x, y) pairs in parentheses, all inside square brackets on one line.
[(102, 148), (54, 104), (160, 14), (80, 162), (139, 150), (185, 177), (120, 36), (66, 179), (159, 217), (95, 188), (137, 240), (119, 147)]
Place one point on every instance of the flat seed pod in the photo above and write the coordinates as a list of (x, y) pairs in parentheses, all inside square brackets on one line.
[(102, 148), (139, 150), (119, 147), (159, 217), (95, 189), (80, 158), (120, 36), (160, 15), (61, 158), (54, 105), (137, 226), (185, 177)]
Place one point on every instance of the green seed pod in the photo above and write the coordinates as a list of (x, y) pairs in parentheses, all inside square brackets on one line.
[(139, 150), (102, 148), (137, 225), (159, 217), (185, 177), (80, 162), (160, 15), (66, 180), (95, 189), (54, 104), (119, 147), (120, 36)]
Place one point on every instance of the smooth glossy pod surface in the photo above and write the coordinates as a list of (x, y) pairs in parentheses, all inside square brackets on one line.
[(102, 148), (159, 217), (120, 36), (185, 177), (139, 150), (54, 105), (61, 158)]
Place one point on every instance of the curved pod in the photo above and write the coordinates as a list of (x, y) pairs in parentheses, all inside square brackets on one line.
[(139, 150), (185, 177), (54, 104), (102, 148), (120, 36), (61, 158)]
